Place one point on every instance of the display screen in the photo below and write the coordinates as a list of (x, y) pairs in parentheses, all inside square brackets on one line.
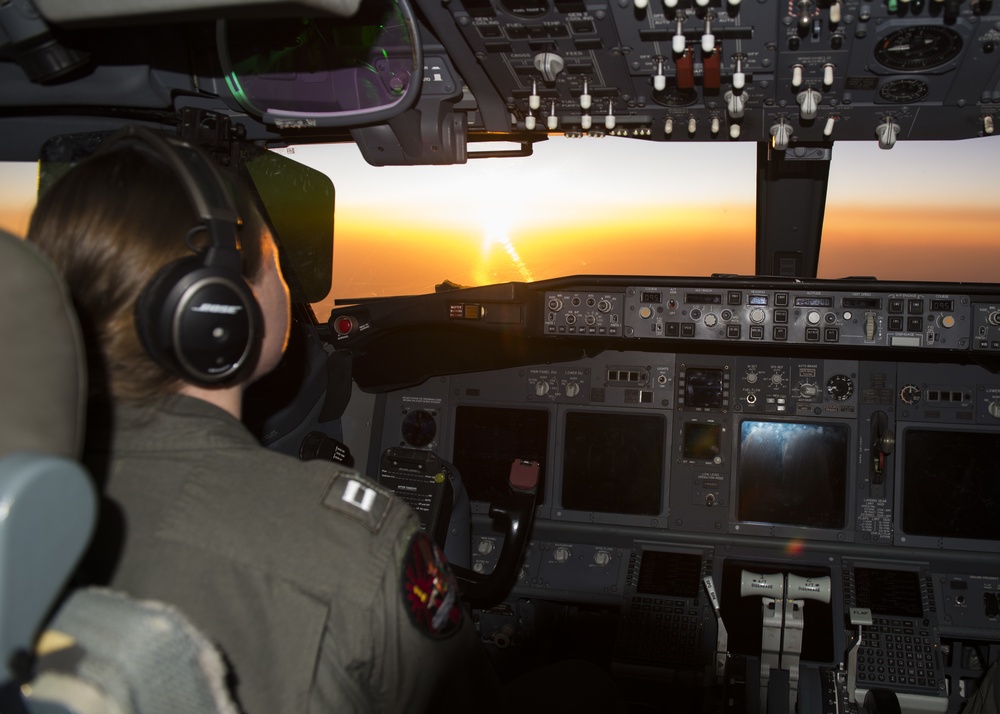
[(793, 474), (702, 442), (888, 592), (704, 388), (613, 463), (489, 439), (951, 484), (669, 574)]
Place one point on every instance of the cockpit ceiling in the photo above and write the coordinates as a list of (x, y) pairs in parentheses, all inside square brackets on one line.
[(786, 73)]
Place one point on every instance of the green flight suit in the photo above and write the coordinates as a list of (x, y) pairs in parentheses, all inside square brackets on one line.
[(315, 582)]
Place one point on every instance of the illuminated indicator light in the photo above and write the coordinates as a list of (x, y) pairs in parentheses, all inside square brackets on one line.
[(343, 325)]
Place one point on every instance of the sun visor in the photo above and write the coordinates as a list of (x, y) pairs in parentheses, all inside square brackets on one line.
[(323, 71), (297, 200)]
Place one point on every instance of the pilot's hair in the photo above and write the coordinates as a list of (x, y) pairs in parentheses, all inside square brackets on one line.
[(110, 224)]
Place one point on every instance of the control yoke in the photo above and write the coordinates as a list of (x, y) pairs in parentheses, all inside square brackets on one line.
[(517, 512)]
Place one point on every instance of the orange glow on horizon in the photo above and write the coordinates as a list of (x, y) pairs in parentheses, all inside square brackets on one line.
[(927, 244), (399, 258)]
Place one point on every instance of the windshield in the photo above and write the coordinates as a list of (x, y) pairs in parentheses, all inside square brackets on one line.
[(923, 211)]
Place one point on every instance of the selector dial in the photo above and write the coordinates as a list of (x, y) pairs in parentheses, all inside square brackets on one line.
[(840, 387), (808, 390), (918, 47), (910, 394)]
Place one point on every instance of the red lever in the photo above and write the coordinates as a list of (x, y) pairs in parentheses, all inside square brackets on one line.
[(524, 475)]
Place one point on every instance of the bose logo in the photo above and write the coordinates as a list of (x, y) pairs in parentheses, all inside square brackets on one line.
[(217, 309)]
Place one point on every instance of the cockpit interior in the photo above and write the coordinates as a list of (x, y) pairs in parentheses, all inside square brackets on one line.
[(756, 491)]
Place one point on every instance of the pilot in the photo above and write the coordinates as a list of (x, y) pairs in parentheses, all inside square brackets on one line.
[(316, 583)]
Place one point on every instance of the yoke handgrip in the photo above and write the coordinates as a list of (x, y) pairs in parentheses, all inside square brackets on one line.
[(517, 511)]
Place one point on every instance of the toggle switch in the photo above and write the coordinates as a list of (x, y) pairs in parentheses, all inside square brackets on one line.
[(828, 75), (739, 77), (708, 39), (828, 127), (797, 76), (679, 42), (659, 79)]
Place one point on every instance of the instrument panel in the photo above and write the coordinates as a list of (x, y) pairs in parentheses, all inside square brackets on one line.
[(833, 445), (871, 481), (710, 70)]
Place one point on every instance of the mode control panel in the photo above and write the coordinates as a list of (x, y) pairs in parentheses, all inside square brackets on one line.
[(584, 312), (803, 317)]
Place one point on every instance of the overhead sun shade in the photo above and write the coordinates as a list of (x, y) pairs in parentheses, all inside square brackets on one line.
[(323, 71)]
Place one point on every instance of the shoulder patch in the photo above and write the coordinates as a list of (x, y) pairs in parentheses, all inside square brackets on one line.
[(357, 498), (430, 592)]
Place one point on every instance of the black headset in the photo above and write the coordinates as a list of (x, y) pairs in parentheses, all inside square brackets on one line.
[(198, 317)]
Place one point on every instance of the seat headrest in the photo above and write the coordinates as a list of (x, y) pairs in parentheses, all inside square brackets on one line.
[(43, 376)]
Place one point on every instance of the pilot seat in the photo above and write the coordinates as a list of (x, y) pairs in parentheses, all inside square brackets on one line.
[(91, 650)]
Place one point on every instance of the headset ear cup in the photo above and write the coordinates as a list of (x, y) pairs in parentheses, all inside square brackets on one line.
[(201, 323)]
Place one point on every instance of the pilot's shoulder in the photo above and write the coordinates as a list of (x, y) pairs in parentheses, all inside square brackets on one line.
[(358, 499)]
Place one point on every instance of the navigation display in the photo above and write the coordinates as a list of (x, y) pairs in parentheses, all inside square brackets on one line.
[(951, 484), (613, 463), (489, 439), (793, 474)]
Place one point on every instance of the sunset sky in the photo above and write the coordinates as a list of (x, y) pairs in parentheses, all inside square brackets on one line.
[(923, 211)]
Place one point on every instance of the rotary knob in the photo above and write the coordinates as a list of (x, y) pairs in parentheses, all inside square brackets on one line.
[(602, 558), (840, 387), (561, 554)]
